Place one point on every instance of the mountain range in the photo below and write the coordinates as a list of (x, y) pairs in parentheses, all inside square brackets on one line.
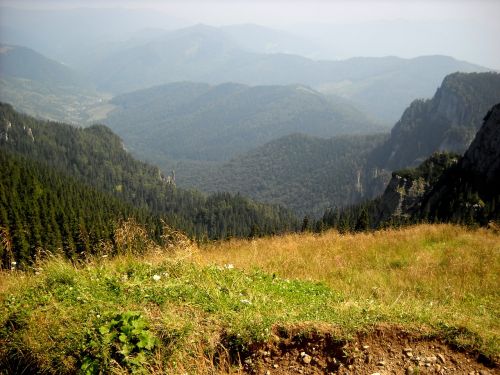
[(196, 121), (312, 175), (381, 86), (123, 62)]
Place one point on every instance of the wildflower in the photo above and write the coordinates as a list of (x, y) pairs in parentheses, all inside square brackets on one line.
[(156, 277), (228, 266)]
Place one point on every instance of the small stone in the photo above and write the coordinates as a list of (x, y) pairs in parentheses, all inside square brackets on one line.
[(409, 354), (365, 347), (381, 363), (276, 366), (431, 359), (407, 350), (306, 358), (268, 372), (409, 370)]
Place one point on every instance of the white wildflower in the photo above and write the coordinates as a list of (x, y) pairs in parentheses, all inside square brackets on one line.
[(228, 266), (156, 277)]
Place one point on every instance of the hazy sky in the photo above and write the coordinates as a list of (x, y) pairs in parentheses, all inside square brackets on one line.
[(287, 12), (466, 29)]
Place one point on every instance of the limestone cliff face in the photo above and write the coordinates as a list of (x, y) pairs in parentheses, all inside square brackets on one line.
[(401, 198), (405, 192), (447, 122)]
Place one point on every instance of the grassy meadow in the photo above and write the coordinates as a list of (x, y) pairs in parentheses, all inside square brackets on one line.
[(194, 308)]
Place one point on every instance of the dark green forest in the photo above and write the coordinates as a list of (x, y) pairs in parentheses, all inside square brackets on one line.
[(42, 210), (95, 156), (304, 173)]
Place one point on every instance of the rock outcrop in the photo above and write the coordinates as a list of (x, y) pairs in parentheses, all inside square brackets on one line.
[(446, 188), (405, 192), (483, 155), (447, 122)]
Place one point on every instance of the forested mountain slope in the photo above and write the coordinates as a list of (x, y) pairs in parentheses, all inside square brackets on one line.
[(44, 211), (198, 121), (96, 156), (304, 173)]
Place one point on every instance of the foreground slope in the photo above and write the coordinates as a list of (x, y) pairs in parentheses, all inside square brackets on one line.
[(209, 310)]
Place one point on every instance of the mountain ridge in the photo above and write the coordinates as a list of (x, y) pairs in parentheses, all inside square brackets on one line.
[(205, 122)]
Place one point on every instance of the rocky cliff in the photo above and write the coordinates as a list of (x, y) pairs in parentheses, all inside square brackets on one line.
[(447, 122), (403, 197), (483, 156), (448, 188)]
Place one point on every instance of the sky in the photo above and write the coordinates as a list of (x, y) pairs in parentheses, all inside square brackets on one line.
[(287, 12), (465, 29)]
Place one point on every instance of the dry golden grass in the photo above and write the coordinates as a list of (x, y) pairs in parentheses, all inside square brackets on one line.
[(439, 273), (433, 257)]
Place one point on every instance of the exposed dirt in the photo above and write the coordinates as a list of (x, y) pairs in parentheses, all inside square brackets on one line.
[(385, 350)]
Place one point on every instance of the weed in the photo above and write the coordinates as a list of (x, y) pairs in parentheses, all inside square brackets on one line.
[(125, 339)]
